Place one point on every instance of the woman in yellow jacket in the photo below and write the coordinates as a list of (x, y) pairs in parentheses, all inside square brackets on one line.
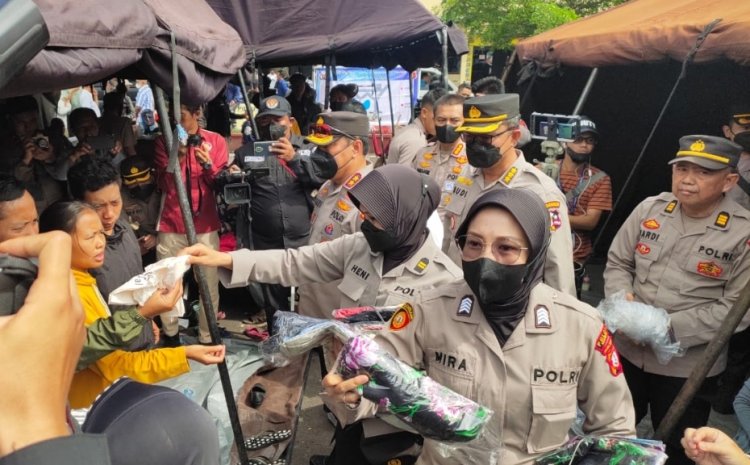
[(82, 223)]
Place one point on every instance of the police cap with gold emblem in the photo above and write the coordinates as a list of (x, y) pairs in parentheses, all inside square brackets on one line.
[(710, 152), (328, 126), (483, 115), (135, 170), (275, 106)]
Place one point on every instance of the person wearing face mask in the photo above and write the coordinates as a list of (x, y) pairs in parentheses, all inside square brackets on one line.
[(738, 131), (409, 140), (392, 260), (140, 203), (278, 216), (685, 251), (444, 160), (530, 353), (490, 132), (341, 140)]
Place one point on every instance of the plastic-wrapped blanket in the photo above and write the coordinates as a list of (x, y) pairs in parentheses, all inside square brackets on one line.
[(642, 323), (606, 450), (162, 274)]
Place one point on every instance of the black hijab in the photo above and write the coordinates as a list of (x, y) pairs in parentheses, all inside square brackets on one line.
[(531, 214), (402, 200)]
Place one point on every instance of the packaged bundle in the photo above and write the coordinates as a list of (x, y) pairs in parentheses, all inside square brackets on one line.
[(606, 450)]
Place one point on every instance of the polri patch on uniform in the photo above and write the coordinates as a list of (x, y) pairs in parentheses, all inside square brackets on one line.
[(510, 175), (401, 318), (555, 219), (722, 219), (542, 317), (642, 248), (422, 265), (605, 345), (466, 306), (710, 269), (670, 206), (353, 181), (328, 230), (651, 223)]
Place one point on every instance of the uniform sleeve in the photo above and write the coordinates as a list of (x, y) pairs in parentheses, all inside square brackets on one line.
[(106, 335), (558, 267), (91, 449), (603, 393), (620, 269), (148, 366), (697, 325), (318, 263)]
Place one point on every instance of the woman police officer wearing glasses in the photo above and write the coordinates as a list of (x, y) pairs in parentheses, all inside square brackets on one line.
[(508, 341)]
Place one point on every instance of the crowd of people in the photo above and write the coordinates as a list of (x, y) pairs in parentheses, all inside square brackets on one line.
[(494, 288)]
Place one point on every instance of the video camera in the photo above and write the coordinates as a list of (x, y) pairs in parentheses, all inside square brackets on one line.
[(553, 130)]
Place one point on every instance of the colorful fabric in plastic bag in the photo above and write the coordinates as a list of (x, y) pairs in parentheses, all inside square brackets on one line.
[(431, 409), (606, 450), (642, 323), (365, 314), (295, 334)]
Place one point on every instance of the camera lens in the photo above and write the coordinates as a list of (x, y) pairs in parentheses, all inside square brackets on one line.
[(42, 142)]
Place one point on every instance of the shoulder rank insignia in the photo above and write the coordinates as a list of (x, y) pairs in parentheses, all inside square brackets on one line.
[(422, 265), (542, 318), (401, 318), (458, 148), (670, 206), (722, 219), (353, 180), (466, 306), (510, 175)]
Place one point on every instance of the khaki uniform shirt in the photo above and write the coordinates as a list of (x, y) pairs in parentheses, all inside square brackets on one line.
[(350, 260), (406, 143), (737, 194), (694, 274), (559, 357), (558, 269), (142, 215), (334, 216)]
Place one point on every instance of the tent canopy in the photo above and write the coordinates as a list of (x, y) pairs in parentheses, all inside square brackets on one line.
[(358, 32), (642, 31), (91, 40)]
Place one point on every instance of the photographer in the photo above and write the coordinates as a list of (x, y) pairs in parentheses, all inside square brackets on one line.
[(281, 181), (29, 155), (84, 124), (201, 159)]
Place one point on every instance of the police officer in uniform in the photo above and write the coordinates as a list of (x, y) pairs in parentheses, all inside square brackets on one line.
[(685, 251), (444, 159), (505, 339), (491, 132), (341, 140), (140, 202), (408, 141), (388, 263)]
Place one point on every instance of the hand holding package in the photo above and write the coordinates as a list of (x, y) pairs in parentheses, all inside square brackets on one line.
[(164, 274)]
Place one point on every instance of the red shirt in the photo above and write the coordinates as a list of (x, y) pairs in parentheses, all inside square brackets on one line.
[(199, 183), (597, 196)]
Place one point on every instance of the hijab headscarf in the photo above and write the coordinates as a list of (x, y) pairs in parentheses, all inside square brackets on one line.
[(402, 200), (503, 290)]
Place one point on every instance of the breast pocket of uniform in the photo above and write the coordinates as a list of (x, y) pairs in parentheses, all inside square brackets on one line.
[(352, 287), (705, 277), (553, 412), (646, 253)]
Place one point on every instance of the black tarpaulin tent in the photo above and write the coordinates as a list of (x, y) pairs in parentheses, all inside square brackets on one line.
[(93, 39), (360, 33)]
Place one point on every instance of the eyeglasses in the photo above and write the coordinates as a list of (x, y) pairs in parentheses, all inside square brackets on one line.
[(485, 139), (323, 130), (504, 250), (588, 140)]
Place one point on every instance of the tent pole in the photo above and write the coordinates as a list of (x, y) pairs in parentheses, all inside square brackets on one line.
[(173, 143), (586, 91), (508, 66), (390, 100), (377, 109), (327, 96), (247, 103), (411, 99), (445, 57)]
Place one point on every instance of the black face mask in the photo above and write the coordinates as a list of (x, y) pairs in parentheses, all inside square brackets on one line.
[(481, 155), (324, 165), (142, 192), (447, 134), (493, 283), (276, 131), (577, 156), (743, 139), (337, 106), (379, 240)]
